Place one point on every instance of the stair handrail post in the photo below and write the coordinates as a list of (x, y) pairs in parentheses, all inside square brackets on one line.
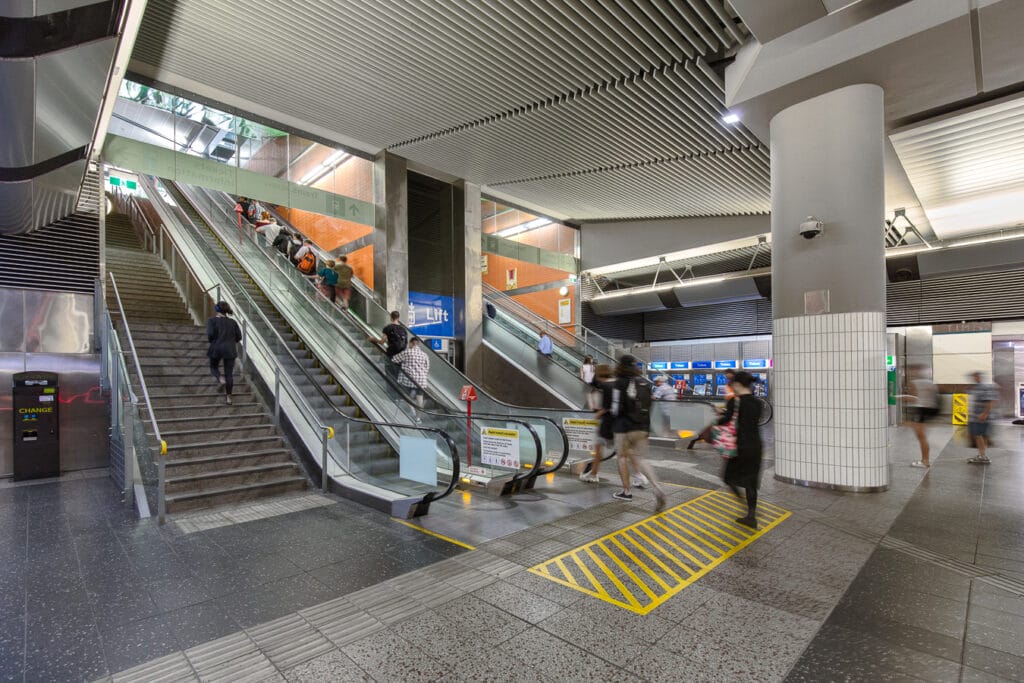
[(277, 395), (325, 434), (245, 330), (145, 396)]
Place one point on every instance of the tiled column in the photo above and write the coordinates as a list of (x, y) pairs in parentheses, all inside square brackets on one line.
[(828, 293)]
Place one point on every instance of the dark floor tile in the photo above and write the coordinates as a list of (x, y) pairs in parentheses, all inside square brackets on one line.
[(12, 646), (65, 652), (342, 578), (127, 645), (275, 599), (994, 662), (200, 623), (171, 594)]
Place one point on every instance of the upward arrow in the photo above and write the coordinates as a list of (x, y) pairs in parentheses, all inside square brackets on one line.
[(353, 210)]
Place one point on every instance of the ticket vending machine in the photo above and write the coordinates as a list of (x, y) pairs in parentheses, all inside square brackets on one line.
[(36, 425)]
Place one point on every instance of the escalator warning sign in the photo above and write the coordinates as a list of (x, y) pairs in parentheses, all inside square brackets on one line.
[(580, 433), (499, 447)]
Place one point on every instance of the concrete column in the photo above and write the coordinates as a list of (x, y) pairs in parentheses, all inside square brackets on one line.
[(391, 232), (828, 293), (469, 320)]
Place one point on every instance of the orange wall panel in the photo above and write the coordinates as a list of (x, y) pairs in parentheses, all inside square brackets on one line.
[(326, 232), (361, 261), (543, 303)]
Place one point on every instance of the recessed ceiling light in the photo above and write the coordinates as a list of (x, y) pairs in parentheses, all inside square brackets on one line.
[(731, 118)]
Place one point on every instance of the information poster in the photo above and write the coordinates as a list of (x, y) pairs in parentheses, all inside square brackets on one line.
[(580, 433), (499, 447), (564, 311)]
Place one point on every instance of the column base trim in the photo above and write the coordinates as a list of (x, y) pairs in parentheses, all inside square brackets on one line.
[(831, 487)]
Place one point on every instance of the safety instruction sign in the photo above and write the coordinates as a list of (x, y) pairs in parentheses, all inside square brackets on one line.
[(959, 409), (499, 447), (581, 433)]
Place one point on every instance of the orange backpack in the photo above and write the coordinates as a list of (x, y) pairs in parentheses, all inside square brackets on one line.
[(307, 264)]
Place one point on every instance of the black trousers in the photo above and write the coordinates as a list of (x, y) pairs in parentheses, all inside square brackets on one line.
[(229, 372)]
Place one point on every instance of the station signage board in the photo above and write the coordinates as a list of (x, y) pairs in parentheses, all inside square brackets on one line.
[(658, 365), (725, 365), (701, 365), (431, 315), (757, 364), (679, 365)]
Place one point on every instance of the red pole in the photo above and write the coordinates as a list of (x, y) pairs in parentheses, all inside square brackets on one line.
[(469, 433)]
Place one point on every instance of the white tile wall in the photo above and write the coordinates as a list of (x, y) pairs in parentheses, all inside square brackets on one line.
[(830, 399)]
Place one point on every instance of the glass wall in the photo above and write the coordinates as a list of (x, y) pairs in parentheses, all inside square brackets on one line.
[(175, 123), (532, 259)]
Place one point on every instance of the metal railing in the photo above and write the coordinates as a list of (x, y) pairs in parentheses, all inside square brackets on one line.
[(161, 476), (254, 318)]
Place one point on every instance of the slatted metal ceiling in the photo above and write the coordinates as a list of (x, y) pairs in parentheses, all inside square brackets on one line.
[(968, 169), (598, 109)]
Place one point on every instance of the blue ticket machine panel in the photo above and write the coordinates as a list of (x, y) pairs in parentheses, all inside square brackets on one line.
[(36, 409)]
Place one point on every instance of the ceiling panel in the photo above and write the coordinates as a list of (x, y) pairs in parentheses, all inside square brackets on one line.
[(968, 168), (507, 93)]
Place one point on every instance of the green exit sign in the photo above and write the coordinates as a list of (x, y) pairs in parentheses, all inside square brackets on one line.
[(131, 184), (115, 181)]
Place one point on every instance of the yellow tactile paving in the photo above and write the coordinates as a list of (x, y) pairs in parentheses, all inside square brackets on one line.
[(643, 565)]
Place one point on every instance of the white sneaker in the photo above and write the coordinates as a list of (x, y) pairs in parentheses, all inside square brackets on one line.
[(639, 481), (590, 478)]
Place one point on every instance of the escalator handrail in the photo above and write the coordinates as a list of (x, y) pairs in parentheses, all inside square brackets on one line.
[(556, 349), (276, 259), (453, 448), (369, 361), (501, 299)]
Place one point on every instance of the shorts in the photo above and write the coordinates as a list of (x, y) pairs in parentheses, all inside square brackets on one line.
[(977, 429), (632, 444), (606, 444), (921, 414)]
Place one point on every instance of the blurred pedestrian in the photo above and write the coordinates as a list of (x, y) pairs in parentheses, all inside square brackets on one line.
[(923, 406), (344, 283), (743, 469), (604, 441), (982, 400), (327, 278), (631, 406)]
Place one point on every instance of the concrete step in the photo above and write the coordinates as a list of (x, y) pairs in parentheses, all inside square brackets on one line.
[(217, 463), (180, 451), (224, 434), (184, 384), (239, 420), (254, 474), (168, 396), (197, 500), (206, 410)]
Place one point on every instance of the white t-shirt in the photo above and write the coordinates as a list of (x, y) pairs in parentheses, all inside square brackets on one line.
[(587, 372)]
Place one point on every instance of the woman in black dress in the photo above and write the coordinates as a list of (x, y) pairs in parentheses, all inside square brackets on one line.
[(744, 470), (223, 333)]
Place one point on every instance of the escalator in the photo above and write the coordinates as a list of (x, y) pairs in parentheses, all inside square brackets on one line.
[(337, 363), (278, 277)]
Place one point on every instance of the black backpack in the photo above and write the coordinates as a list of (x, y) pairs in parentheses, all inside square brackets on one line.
[(281, 242), (397, 339), (636, 401)]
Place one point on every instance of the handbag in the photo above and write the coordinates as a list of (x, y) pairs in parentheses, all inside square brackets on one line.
[(723, 437)]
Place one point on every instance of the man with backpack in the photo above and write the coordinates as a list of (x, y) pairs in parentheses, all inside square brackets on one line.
[(305, 259), (631, 406), (395, 338)]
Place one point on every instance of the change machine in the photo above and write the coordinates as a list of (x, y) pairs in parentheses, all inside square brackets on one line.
[(36, 425)]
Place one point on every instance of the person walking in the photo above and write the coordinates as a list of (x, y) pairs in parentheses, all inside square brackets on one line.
[(545, 345), (327, 277), (605, 438), (587, 372), (982, 399), (631, 406), (923, 406), (415, 371), (344, 283), (223, 333), (744, 469), (395, 338)]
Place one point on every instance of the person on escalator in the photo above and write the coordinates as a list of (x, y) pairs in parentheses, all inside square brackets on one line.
[(415, 371), (243, 209), (344, 284), (327, 277), (545, 345), (270, 231), (282, 241), (395, 338), (223, 333), (264, 219), (305, 259)]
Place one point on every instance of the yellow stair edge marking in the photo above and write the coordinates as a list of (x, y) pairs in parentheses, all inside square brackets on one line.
[(635, 561)]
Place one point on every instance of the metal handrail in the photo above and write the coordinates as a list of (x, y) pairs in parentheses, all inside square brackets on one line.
[(533, 472), (492, 293), (375, 423), (161, 505)]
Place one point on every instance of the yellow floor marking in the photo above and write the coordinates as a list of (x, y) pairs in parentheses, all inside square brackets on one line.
[(428, 532), (636, 561), (667, 524)]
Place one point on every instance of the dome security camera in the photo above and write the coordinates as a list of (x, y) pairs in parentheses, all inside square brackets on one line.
[(811, 228)]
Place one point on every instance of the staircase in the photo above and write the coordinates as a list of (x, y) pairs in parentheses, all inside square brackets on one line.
[(370, 454), (216, 454)]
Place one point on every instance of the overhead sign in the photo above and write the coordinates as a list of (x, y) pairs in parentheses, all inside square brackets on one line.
[(679, 365), (580, 433), (499, 447), (756, 363), (725, 365), (432, 315), (658, 365), (701, 365)]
